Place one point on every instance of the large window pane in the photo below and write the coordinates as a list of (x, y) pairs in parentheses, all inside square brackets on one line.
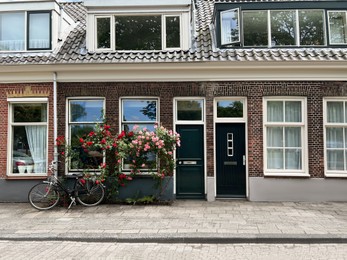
[(12, 31), (230, 26), (173, 32), (86, 111), (39, 30), (138, 32), (338, 27), (139, 110), (293, 111), (312, 31), (103, 27), (189, 110), (275, 111), (335, 112), (29, 112), (283, 25), (255, 31), (229, 108)]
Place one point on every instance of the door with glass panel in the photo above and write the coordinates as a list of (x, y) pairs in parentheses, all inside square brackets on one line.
[(230, 160), (190, 176)]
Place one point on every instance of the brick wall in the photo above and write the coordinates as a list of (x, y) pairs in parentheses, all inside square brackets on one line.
[(254, 91), (19, 90)]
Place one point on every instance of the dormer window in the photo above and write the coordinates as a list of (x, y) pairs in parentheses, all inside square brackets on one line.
[(285, 24), (137, 25), (138, 32), (20, 31)]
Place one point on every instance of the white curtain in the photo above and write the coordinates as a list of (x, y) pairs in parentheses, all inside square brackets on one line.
[(284, 143), (12, 31), (39, 30), (37, 141), (334, 136)]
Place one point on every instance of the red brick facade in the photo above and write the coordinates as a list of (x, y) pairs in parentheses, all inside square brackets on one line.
[(253, 91)]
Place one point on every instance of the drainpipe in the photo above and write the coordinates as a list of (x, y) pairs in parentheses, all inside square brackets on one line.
[(55, 123)]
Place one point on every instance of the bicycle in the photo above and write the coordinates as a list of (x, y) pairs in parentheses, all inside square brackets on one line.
[(46, 195)]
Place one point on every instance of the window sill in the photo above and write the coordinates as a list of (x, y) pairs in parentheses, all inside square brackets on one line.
[(26, 177), (336, 175), (283, 174)]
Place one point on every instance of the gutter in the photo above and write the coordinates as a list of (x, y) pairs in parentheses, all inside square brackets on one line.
[(55, 123)]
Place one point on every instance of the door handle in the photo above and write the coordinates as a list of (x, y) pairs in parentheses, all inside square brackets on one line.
[(244, 159)]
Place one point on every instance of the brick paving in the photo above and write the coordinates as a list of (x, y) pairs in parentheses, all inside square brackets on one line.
[(182, 222)]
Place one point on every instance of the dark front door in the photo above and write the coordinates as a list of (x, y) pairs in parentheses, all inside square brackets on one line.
[(190, 162), (230, 160)]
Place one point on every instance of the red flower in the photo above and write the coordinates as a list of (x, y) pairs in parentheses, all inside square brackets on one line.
[(122, 184), (122, 176), (91, 133), (89, 143), (62, 153), (131, 134), (103, 141), (121, 135), (82, 181), (97, 182), (106, 127), (60, 140), (81, 140)]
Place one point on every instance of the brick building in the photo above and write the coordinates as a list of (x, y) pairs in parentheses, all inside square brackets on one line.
[(257, 89)]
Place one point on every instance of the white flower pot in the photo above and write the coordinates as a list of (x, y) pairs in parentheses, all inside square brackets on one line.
[(30, 168), (21, 169)]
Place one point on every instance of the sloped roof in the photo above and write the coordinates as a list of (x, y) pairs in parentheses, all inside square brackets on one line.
[(72, 50)]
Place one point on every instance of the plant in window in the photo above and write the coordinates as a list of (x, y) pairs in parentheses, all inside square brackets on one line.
[(135, 152)]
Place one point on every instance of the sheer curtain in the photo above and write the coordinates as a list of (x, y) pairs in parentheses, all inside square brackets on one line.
[(37, 141), (12, 31), (284, 142), (334, 136)]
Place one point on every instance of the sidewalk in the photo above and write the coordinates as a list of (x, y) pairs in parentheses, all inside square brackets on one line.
[(183, 222)]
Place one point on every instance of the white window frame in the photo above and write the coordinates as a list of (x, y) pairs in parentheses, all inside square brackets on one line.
[(333, 173), (112, 42), (26, 29), (230, 119), (304, 143), (237, 10), (11, 102), (336, 11), (68, 169), (297, 28), (189, 122), (183, 33), (121, 122)]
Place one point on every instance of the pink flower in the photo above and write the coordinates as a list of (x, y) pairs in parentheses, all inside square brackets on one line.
[(143, 165)]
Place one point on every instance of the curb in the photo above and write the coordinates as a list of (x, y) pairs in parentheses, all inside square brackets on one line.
[(183, 239)]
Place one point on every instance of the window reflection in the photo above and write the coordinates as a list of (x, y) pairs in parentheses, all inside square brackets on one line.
[(228, 108)]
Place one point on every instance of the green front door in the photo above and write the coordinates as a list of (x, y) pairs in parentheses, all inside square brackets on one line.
[(190, 162)]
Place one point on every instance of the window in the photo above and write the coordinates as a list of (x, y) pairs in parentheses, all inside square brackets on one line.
[(284, 136), (336, 137), (138, 32), (229, 108), (84, 114), (230, 26), (25, 31), (28, 135), (337, 27), (189, 110), (273, 28), (140, 112)]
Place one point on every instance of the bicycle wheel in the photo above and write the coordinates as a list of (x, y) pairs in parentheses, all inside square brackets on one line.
[(43, 196), (90, 194)]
